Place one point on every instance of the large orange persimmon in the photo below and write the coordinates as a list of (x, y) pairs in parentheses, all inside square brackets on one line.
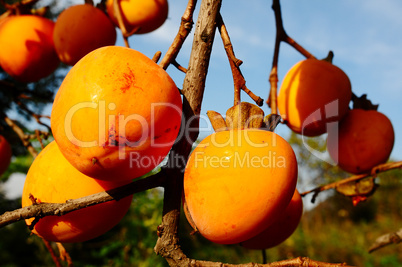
[(79, 30), (5, 155), (116, 115), (27, 51), (281, 229), (312, 94), (141, 16), (237, 182), (364, 139), (52, 179)]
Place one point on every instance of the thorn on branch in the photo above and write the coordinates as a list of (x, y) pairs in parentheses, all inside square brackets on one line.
[(157, 56), (178, 66)]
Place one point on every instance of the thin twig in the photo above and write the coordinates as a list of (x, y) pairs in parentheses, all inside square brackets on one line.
[(21, 135), (185, 28), (41, 210), (387, 239), (376, 170), (64, 256), (238, 78), (281, 36), (51, 251), (119, 17), (37, 117)]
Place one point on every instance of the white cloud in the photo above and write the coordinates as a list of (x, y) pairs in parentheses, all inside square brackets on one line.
[(14, 185)]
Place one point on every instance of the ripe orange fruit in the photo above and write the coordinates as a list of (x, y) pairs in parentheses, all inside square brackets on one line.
[(116, 115), (146, 15), (51, 178), (79, 30), (5, 155), (27, 50), (281, 229), (365, 138), (312, 94), (237, 182)]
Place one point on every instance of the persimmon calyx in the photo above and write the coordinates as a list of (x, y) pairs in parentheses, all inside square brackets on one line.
[(363, 103), (358, 191), (243, 116), (271, 121)]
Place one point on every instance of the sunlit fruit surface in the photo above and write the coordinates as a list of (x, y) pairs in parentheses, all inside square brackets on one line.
[(313, 93), (140, 16), (81, 29), (237, 182), (52, 179), (27, 50), (117, 114), (281, 229)]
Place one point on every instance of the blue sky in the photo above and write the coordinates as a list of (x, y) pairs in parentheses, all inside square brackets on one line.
[(364, 35)]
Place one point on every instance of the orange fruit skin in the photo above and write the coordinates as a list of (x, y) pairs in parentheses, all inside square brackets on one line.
[(52, 179), (27, 50), (116, 115), (237, 182), (5, 155), (307, 94), (147, 15), (80, 29), (281, 229), (365, 139)]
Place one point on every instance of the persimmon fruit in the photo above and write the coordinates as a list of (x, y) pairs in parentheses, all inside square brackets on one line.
[(80, 29), (281, 229), (116, 115), (5, 155), (27, 50), (140, 16), (52, 179), (237, 182), (363, 140), (313, 93)]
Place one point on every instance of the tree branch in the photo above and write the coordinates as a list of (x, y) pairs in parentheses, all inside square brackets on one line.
[(387, 239), (281, 36), (238, 78), (184, 30), (21, 135), (57, 209), (193, 89), (376, 170)]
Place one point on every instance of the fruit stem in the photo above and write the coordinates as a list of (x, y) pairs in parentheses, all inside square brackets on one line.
[(281, 36), (329, 57)]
